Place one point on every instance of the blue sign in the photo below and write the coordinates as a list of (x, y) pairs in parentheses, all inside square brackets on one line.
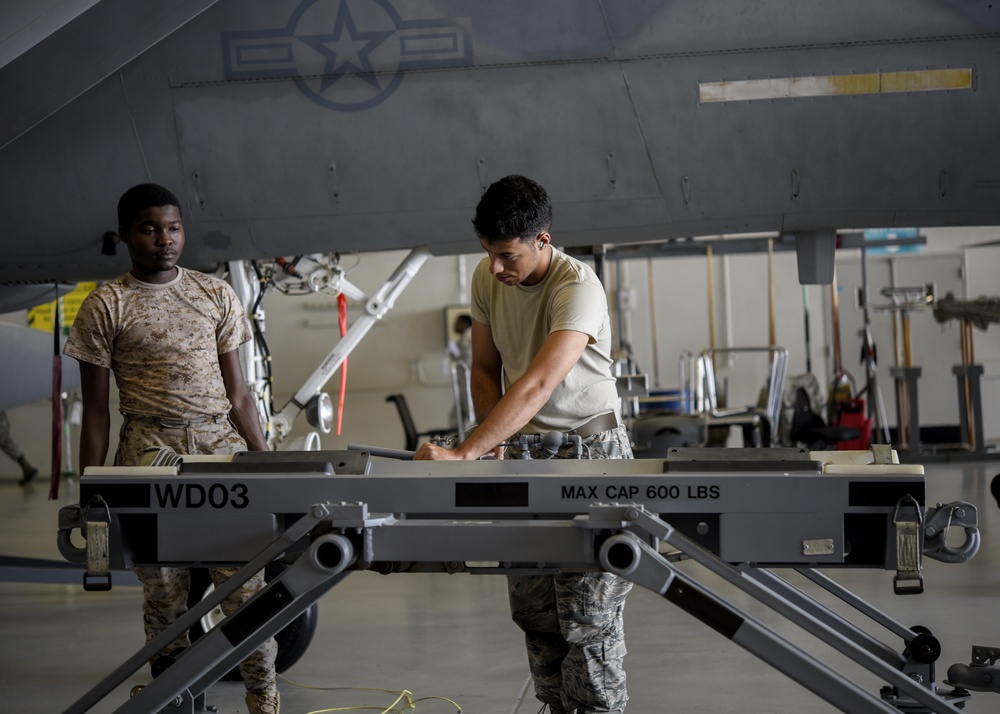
[(882, 234)]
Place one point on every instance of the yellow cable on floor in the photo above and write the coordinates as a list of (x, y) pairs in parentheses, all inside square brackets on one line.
[(391, 709)]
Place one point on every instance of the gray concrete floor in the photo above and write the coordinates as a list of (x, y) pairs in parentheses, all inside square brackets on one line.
[(450, 636)]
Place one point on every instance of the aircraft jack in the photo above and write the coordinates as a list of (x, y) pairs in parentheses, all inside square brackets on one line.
[(752, 533)]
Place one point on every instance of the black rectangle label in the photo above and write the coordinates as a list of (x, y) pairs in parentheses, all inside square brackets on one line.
[(883, 493), (491, 494), (124, 495)]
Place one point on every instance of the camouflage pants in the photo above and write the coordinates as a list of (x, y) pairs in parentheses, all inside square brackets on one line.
[(7, 443), (573, 626), (165, 590), (165, 598)]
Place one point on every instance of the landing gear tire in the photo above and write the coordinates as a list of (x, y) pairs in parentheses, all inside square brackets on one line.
[(293, 640)]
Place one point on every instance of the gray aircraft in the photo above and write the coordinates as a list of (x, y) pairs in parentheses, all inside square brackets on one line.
[(301, 126), (294, 126)]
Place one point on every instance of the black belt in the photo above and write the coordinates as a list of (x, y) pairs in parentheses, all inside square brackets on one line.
[(600, 423)]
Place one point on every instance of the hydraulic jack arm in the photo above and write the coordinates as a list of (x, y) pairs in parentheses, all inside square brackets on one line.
[(629, 555)]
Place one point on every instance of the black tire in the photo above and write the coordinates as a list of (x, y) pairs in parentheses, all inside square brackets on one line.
[(293, 640)]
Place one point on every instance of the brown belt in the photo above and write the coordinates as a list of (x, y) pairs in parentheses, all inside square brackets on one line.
[(601, 422)]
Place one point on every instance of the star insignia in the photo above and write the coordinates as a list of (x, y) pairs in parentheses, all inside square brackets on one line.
[(347, 49)]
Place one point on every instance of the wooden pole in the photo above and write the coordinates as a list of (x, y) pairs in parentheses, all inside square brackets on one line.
[(904, 321), (968, 359), (772, 331), (904, 326), (711, 298), (835, 312), (652, 323)]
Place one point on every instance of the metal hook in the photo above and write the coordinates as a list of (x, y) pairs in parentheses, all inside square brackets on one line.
[(939, 520)]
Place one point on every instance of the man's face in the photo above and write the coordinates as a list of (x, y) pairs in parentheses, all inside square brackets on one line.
[(518, 262), (155, 241)]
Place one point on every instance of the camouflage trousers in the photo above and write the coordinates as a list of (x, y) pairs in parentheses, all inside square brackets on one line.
[(573, 626), (165, 590), (7, 443), (165, 599)]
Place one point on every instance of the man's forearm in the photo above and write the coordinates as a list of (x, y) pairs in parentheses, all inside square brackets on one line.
[(247, 420), (254, 437), (486, 393), (94, 440), (508, 415)]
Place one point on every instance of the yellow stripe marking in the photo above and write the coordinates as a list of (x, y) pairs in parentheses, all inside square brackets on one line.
[(836, 85)]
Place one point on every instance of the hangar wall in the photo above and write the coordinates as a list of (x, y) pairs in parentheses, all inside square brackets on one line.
[(405, 352)]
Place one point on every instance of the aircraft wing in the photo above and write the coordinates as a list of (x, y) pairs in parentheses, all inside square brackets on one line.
[(298, 126)]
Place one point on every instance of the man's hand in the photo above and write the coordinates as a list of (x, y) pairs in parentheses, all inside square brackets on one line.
[(433, 452)]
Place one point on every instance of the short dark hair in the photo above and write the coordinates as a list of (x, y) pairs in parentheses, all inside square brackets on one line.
[(513, 207), (139, 198)]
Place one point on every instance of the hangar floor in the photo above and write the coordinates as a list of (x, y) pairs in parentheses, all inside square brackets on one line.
[(449, 637)]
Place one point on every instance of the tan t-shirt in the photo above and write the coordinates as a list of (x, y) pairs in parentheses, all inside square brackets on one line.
[(162, 342), (570, 297)]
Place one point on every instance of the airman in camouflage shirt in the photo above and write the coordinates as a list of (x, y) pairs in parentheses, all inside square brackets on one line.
[(169, 336), (541, 362)]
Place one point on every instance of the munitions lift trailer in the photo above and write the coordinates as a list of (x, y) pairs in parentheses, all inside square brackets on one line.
[(737, 512)]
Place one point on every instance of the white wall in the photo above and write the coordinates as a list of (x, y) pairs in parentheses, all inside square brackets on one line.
[(405, 351)]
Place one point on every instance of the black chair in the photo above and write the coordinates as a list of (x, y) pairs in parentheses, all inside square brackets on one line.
[(811, 429), (409, 427), (656, 434)]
